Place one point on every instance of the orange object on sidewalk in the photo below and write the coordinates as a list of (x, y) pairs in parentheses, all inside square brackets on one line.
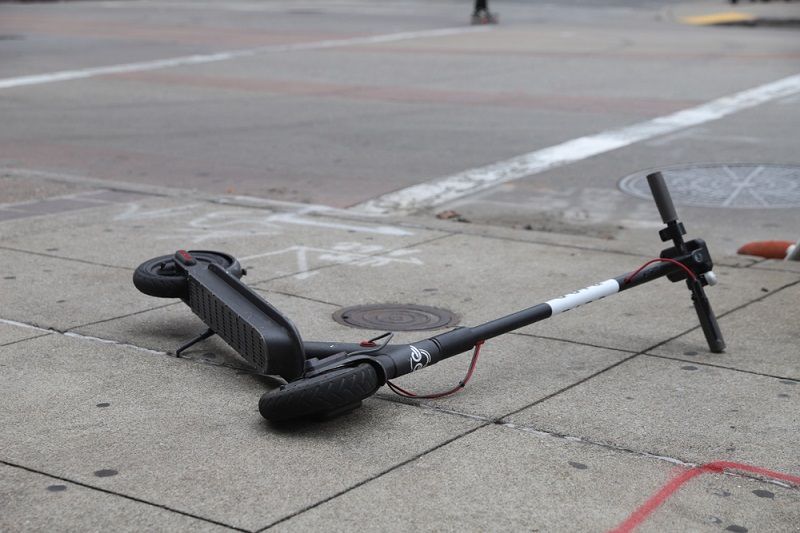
[(766, 249)]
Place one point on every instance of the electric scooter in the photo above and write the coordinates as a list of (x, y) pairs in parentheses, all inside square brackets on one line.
[(329, 378)]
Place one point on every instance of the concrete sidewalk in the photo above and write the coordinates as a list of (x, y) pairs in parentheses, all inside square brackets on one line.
[(569, 425)]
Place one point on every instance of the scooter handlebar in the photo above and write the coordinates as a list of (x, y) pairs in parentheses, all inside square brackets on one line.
[(661, 195)]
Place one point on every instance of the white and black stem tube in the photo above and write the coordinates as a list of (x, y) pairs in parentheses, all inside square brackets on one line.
[(464, 339)]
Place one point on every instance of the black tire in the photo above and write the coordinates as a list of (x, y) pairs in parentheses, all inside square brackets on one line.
[(325, 394), (160, 277)]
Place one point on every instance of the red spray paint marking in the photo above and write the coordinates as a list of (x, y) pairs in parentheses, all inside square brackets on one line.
[(717, 467)]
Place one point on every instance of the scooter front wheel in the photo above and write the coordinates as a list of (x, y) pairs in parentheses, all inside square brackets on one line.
[(162, 278), (328, 394)]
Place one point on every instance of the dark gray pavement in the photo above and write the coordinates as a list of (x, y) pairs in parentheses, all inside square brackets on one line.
[(268, 149)]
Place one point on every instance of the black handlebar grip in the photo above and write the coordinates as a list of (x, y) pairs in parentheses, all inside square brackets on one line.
[(661, 195)]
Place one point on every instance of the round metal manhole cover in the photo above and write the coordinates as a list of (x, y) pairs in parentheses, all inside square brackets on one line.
[(735, 186), (395, 317)]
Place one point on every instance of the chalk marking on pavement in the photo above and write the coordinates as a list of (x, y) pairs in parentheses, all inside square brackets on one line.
[(233, 224), (441, 190), (67, 75), (291, 218), (79, 336), (342, 253)]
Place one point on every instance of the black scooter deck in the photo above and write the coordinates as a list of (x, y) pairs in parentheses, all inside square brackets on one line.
[(247, 322)]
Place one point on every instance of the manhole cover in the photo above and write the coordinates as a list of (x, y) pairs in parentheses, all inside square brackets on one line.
[(395, 317), (736, 186)]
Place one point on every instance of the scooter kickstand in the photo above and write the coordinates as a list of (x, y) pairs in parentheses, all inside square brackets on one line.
[(206, 334)]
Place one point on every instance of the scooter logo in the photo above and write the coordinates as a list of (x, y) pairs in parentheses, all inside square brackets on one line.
[(419, 358)]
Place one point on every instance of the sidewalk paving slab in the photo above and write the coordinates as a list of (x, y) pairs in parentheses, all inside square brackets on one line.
[(37, 502), (691, 412), (502, 479), (761, 338), (512, 373), (189, 436), (58, 293)]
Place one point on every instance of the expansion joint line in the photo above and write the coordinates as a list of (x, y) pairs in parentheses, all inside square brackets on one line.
[(112, 342), (373, 477), (121, 495), (63, 258)]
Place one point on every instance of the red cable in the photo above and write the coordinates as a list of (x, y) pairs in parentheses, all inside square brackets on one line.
[(660, 260), (461, 384)]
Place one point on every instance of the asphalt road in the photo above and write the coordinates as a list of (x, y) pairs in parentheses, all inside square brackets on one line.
[(338, 103)]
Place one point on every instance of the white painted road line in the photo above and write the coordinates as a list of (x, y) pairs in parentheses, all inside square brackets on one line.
[(446, 189), (67, 75)]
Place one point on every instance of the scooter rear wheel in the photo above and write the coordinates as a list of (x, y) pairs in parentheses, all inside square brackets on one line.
[(162, 278), (325, 395)]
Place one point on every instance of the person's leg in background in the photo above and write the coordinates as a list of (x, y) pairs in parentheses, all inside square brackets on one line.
[(481, 13)]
